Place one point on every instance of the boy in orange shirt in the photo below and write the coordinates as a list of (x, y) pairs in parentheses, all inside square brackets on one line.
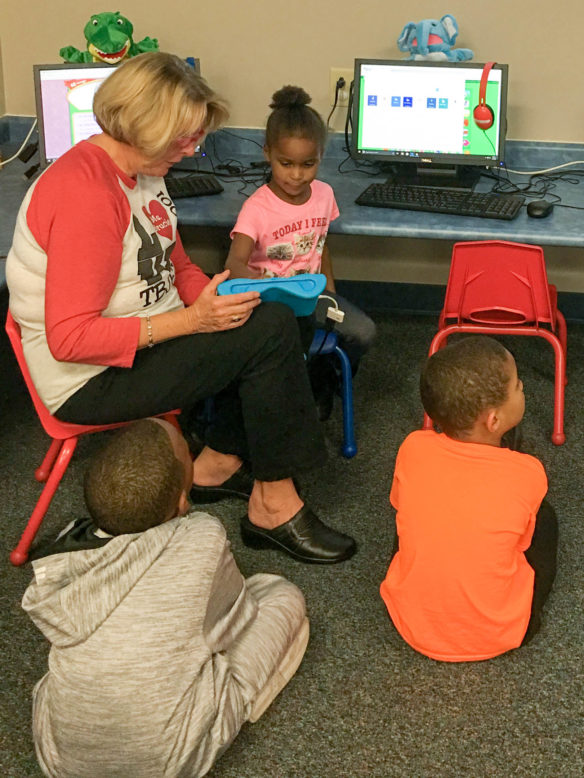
[(477, 554)]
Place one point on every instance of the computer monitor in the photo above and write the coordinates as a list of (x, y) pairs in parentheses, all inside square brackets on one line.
[(64, 105), (416, 117)]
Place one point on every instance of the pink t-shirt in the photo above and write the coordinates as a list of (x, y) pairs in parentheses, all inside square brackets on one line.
[(289, 239)]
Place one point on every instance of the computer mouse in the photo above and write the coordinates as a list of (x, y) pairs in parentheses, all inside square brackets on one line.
[(539, 209)]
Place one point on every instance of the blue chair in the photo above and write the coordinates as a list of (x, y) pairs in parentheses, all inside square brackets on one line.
[(325, 342), (301, 293)]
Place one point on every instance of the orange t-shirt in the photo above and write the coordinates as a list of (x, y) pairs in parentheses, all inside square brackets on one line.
[(459, 588)]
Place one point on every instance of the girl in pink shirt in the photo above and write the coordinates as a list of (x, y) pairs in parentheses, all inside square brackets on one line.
[(281, 229)]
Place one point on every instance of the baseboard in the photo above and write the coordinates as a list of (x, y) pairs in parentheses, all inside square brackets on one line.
[(427, 299)]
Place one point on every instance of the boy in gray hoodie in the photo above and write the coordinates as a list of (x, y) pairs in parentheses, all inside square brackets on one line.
[(161, 650)]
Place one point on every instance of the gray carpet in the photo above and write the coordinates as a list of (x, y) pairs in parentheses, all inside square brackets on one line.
[(362, 703)]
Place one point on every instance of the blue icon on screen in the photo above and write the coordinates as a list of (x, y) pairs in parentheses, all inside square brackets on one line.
[(396, 102), (408, 102), (443, 102), (371, 99), (431, 102)]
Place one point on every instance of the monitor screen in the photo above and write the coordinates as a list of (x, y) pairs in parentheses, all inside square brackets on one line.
[(64, 105), (422, 112)]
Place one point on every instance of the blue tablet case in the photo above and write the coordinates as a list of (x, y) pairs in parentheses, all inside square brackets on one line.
[(299, 292)]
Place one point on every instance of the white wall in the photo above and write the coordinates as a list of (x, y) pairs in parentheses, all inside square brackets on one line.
[(250, 49)]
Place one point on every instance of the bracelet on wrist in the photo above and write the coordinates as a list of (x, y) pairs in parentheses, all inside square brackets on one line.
[(149, 330)]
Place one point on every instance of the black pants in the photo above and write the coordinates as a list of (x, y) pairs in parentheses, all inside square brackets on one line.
[(541, 555), (542, 552), (264, 409)]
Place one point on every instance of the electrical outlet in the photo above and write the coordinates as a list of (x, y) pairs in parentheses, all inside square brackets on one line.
[(343, 97)]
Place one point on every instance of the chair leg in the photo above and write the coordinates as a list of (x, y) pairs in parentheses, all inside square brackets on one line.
[(349, 447), (558, 436), (44, 470), (20, 553), (172, 418), (563, 337)]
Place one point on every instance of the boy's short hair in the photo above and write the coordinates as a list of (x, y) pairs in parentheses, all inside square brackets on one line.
[(135, 481), (462, 380)]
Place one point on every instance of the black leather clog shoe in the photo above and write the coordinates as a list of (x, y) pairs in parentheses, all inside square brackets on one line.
[(304, 537), (239, 485)]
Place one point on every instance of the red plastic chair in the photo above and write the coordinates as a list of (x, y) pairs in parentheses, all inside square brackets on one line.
[(497, 287), (64, 441)]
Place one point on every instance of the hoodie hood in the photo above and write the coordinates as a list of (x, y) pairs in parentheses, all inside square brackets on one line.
[(73, 593)]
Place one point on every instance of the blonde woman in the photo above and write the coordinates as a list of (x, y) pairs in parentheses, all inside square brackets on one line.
[(118, 324)]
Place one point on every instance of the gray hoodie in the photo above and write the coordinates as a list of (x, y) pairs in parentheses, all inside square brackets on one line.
[(141, 682)]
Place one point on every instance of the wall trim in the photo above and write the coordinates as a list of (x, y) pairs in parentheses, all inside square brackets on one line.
[(426, 299)]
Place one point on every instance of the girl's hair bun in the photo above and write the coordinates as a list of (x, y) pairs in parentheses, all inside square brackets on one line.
[(289, 96), (292, 117)]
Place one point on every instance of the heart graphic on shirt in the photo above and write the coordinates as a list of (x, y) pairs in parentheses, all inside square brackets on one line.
[(159, 218)]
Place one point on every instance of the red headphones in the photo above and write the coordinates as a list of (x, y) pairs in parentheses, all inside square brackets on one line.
[(483, 113)]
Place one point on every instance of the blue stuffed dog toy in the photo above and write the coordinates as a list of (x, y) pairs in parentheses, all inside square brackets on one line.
[(432, 39)]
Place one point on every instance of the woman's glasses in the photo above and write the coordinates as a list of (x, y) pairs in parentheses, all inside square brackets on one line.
[(188, 140)]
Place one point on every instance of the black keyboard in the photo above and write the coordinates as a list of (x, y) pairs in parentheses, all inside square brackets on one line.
[(192, 186), (436, 200)]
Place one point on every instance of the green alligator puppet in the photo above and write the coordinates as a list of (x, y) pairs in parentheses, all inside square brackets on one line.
[(109, 39)]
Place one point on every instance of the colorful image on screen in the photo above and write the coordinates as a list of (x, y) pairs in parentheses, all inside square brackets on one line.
[(414, 111), (65, 106)]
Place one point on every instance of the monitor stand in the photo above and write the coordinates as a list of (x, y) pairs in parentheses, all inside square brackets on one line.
[(443, 176)]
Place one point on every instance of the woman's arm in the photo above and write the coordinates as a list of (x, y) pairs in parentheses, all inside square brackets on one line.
[(189, 278), (82, 239), (81, 279), (238, 257), (326, 267)]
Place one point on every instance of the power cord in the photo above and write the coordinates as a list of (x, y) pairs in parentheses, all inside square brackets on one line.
[(349, 118), (540, 184), (338, 86), (230, 169), (490, 142), (333, 314), (25, 141), (365, 167), (546, 170)]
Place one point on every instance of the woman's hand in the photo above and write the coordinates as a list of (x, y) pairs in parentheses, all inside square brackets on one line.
[(213, 313)]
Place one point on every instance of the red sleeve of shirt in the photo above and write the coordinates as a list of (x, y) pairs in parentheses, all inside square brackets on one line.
[(82, 238), (189, 279)]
